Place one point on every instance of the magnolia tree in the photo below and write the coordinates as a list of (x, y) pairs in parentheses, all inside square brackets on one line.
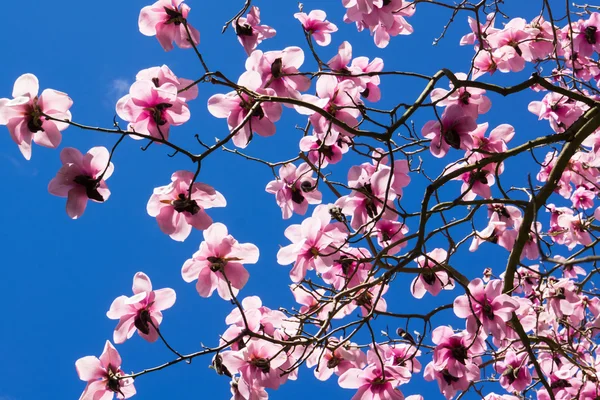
[(527, 327)]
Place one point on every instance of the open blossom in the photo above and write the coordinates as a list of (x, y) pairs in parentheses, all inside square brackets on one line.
[(336, 362), (375, 382), (142, 311), (312, 244), (167, 20), (161, 75), (428, 280), (390, 232), (384, 19), (324, 148), (236, 106), (219, 263), (177, 209), (82, 178), (103, 376), (514, 374), (471, 100), (24, 114), (151, 110), (368, 85), (295, 189), (250, 32), (453, 131), (488, 305), (259, 362), (474, 182), (337, 98), (279, 70), (316, 25)]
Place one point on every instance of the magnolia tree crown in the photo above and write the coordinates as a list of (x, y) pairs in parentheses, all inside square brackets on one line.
[(526, 328)]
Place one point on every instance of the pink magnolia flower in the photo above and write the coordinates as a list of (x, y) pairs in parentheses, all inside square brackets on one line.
[(370, 196), (559, 110), (453, 131), (103, 376), (258, 362), (368, 85), (472, 100), (587, 35), (177, 208), (295, 189), (311, 302), (24, 115), (514, 374), (241, 390), (279, 70), (324, 149), (583, 198), (337, 98), (161, 75), (375, 383), (348, 269), (336, 362), (316, 25), (488, 305), (457, 353), (575, 230), (474, 182), (448, 383), (430, 281), (312, 243), (142, 311), (250, 32), (495, 143), (236, 106), (219, 263), (82, 178), (151, 110), (390, 232), (167, 20), (479, 34)]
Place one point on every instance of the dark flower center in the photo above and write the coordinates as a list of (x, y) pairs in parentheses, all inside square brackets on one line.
[(142, 321), (262, 363), (216, 263), (277, 68), (175, 17), (429, 276), (333, 362), (459, 353), (487, 310), (590, 34), (183, 204), (478, 176), (34, 114), (157, 113), (91, 186), (242, 30), (448, 378), (452, 138), (297, 196)]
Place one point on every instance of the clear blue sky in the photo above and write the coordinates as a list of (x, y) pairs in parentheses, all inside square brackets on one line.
[(59, 276)]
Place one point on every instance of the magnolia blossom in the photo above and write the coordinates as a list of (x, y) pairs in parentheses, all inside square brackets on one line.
[(472, 101), (249, 31), (514, 374), (25, 115), (258, 362), (142, 311), (178, 208), (82, 178), (219, 263), (295, 189), (279, 70), (488, 305), (186, 88), (236, 106), (103, 376), (372, 383), (167, 20), (453, 131), (428, 280), (316, 25)]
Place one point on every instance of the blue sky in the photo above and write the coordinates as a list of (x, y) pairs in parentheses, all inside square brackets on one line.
[(60, 276)]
